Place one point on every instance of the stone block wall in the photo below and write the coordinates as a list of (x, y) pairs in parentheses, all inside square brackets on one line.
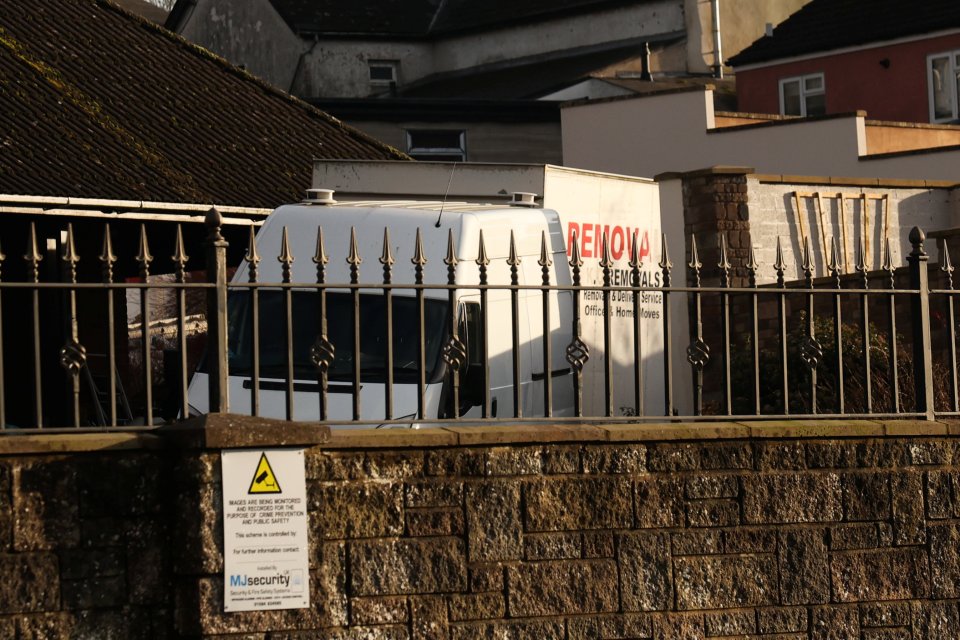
[(792, 530), (83, 547)]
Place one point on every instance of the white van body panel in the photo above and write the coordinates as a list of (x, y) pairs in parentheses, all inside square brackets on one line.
[(436, 221), (587, 202)]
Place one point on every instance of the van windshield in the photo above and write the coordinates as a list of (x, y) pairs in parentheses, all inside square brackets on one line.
[(373, 335)]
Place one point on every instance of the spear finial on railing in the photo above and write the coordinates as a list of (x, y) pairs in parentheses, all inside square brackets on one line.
[(482, 260), (665, 264), (834, 265), (143, 255), (107, 257), (451, 258), (861, 265), (286, 256), (694, 263), (418, 259), (386, 257), (945, 265), (887, 264), (780, 265), (513, 260), (33, 256), (180, 256), (320, 257), (807, 264), (753, 266), (70, 253), (575, 259), (606, 261), (545, 260), (635, 262), (252, 257), (724, 262), (353, 258)]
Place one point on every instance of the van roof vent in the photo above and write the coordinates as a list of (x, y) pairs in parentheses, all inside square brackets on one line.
[(523, 199), (319, 196)]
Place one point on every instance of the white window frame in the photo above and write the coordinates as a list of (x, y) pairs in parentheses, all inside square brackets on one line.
[(802, 82), (393, 65), (426, 152), (955, 93)]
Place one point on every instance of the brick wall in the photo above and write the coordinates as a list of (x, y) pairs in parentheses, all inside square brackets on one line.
[(794, 530)]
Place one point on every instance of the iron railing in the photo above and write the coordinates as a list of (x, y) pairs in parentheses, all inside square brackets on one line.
[(799, 349)]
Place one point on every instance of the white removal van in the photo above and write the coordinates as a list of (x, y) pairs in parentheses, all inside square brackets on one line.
[(592, 205)]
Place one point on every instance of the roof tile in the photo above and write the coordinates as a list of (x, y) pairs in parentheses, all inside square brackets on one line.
[(825, 25), (100, 103)]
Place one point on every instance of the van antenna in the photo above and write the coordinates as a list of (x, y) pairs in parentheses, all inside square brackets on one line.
[(445, 194)]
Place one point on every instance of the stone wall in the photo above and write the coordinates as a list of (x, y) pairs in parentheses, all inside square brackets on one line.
[(794, 530)]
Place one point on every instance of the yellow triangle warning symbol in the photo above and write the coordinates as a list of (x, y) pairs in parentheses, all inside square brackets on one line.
[(264, 480)]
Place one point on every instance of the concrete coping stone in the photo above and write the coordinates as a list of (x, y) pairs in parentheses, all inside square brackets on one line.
[(20, 443), (232, 431)]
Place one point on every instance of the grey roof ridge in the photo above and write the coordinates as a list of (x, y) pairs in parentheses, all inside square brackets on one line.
[(246, 75)]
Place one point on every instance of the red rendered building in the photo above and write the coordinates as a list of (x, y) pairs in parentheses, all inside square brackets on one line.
[(896, 59)]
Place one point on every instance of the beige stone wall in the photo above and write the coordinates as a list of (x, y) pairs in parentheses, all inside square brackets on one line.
[(761, 530)]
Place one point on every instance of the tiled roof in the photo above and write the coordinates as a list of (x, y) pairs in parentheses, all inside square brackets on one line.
[(825, 25), (420, 18), (144, 9), (100, 103)]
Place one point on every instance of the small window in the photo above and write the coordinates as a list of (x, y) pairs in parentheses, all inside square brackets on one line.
[(383, 71), (437, 144), (943, 78), (803, 96)]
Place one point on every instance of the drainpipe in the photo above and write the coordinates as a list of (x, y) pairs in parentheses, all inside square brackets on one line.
[(717, 48)]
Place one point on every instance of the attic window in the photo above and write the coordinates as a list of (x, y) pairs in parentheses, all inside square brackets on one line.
[(383, 71), (803, 96), (441, 145), (943, 78)]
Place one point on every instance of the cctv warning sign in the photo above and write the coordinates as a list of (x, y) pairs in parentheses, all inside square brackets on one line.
[(265, 530), (264, 480)]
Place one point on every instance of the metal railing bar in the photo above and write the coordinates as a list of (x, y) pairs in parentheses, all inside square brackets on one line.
[(892, 338), (180, 258), (453, 353), (861, 268), (144, 259), (387, 260), (545, 263), (379, 286), (482, 263), (606, 263), (665, 267), (724, 265), (836, 269), (354, 260), (753, 266), (947, 268), (780, 268), (72, 353), (253, 266), (514, 261), (323, 352), (635, 265), (286, 261), (419, 260)]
